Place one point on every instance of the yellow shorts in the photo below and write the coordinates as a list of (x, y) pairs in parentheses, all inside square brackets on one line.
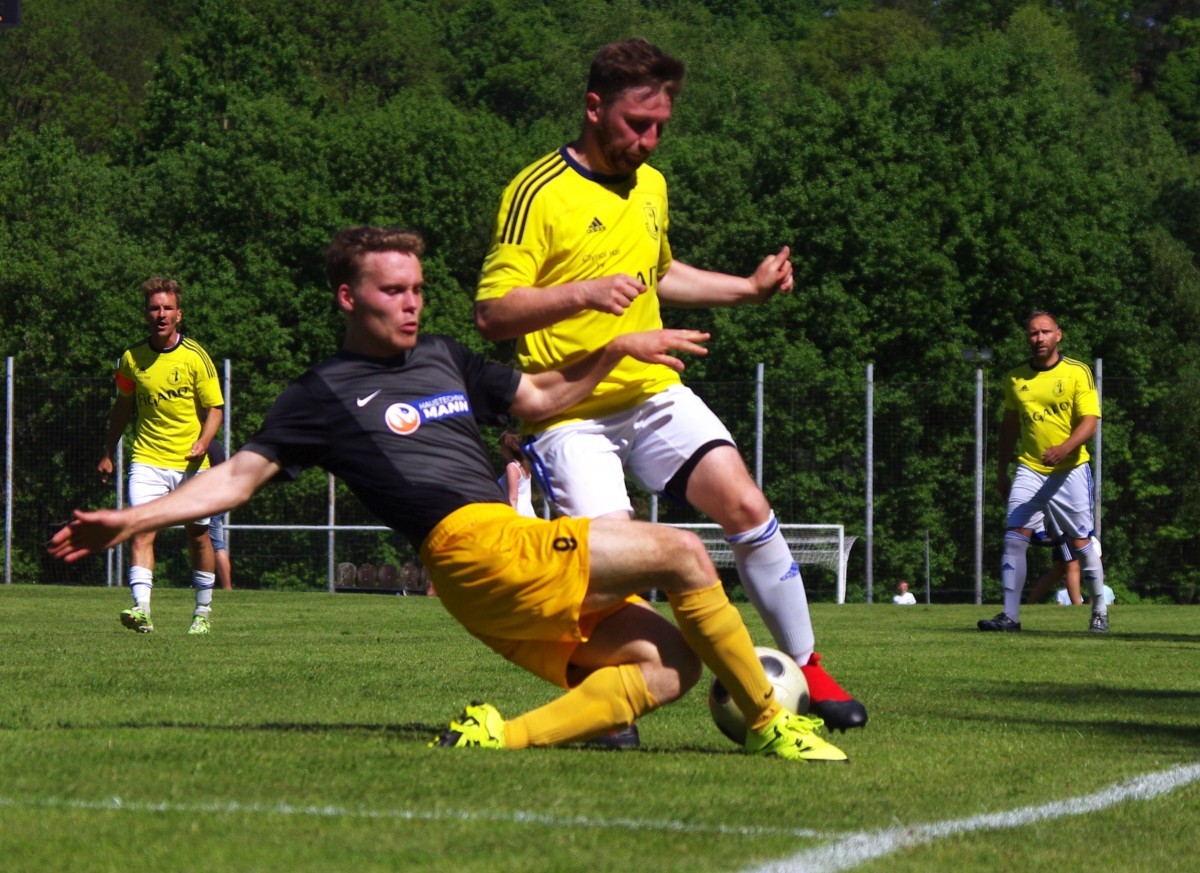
[(516, 583)]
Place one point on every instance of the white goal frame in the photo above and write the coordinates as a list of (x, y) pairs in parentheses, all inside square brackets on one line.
[(823, 544)]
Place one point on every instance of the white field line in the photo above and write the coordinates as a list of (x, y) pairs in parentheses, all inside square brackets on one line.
[(850, 850), (841, 851), (117, 804)]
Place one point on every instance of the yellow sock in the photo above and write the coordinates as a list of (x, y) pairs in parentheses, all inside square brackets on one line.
[(611, 697), (715, 631)]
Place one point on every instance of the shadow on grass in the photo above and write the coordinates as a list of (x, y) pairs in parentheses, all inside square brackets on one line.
[(407, 731), (1153, 708), (1069, 694), (410, 732), (1114, 633)]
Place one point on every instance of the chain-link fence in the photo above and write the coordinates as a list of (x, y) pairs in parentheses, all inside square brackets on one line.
[(914, 509)]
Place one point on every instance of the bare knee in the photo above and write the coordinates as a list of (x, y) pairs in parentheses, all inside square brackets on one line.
[(688, 564), (721, 487), (640, 636), (672, 673)]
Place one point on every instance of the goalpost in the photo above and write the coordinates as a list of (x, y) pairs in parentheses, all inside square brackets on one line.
[(825, 545)]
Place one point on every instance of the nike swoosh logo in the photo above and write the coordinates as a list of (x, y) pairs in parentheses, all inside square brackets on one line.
[(363, 401)]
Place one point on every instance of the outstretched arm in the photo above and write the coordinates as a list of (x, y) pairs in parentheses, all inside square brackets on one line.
[(541, 395), (684, 285), (222, 488)]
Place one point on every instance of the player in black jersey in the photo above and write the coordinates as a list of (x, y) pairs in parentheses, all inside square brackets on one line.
[(394, 415)]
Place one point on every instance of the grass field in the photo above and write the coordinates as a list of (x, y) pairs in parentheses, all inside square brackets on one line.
[(293, 739)]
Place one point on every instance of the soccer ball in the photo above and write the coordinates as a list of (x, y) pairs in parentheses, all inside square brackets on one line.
[(791, 690)]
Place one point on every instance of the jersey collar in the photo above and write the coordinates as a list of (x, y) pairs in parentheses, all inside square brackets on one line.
[(592, 175), (1048, 367)]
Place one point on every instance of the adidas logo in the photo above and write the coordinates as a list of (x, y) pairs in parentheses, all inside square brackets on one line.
[(1024, 387), (596, 226)]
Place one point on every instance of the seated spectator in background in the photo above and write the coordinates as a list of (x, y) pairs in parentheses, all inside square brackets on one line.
[(903, 597), (517, 481)]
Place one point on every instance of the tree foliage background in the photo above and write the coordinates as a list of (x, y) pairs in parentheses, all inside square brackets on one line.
[(939, 169)]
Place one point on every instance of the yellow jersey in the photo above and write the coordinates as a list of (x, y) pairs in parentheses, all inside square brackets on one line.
[(1050, 404), (560, 222), (171, 387)]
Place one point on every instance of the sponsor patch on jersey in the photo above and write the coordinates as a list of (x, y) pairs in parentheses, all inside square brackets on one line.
[(405, 418)]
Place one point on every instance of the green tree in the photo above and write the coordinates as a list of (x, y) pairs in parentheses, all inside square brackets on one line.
[(79, 64)]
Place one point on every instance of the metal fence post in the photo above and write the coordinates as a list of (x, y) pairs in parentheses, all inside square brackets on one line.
[(870, 495), (227, 425), (1097, 462), (8, 470), (758, 425), (118, 564), (928, 579), (978, 486), (332, 512)]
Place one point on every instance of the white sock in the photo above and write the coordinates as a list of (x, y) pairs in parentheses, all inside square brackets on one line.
[(772, 581), (141, 583), (1012, 571), (203, 583), (1091, 569)]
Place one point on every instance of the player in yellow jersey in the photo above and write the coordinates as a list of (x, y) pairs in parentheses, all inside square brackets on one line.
[(167, 385), (579, 256), (1051, 409)]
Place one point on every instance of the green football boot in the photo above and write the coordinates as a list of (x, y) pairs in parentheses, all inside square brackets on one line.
[(793, 737), (480, 726)]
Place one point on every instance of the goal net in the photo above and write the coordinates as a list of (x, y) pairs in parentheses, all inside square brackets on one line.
[(825, 545)]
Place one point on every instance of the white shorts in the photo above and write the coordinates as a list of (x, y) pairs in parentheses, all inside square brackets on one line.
[(1059, 503), (581, 465), (148, 483)]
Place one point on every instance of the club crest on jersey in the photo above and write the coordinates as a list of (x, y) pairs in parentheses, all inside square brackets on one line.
[(1059, 388), (404, 418), (651, 215)]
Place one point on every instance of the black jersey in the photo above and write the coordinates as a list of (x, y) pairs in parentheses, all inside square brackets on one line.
[(401, 432)]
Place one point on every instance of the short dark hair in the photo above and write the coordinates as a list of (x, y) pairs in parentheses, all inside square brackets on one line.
[(1039, 313), (633, 63), (343, 255), (161, 285)]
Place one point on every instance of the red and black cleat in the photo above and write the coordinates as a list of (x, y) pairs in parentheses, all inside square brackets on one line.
[(829, 701)]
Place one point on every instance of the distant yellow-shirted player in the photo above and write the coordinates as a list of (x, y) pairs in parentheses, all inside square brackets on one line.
[(1051, 409), (167, 385)]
